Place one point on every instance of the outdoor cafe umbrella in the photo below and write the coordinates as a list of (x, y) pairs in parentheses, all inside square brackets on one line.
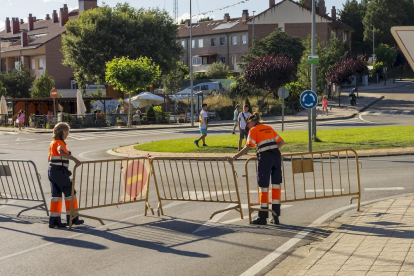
[(3, 106), (80, 105), (147, 98)]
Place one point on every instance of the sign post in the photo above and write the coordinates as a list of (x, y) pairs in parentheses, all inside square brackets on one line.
[(54, 94), (283, 93), (308, 100)]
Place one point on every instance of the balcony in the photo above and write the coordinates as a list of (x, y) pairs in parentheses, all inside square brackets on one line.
[(36, 73)]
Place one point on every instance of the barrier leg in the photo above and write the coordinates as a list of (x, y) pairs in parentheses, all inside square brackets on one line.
[(31, 208)]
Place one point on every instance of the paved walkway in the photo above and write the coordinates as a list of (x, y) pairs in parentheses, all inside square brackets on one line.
[(368, 96), (379, 240)]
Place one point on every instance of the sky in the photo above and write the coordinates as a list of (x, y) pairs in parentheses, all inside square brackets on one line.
[(39, 8)]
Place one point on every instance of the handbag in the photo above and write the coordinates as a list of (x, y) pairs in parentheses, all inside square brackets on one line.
[(17, 121)]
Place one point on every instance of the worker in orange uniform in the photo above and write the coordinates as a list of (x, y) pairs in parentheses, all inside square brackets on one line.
[(268, 143), (59, 177)]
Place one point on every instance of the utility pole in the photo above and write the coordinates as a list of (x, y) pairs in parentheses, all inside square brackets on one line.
[(253, 28), (313, 70), (176, 11), (373, 44), (0, 53), (191, 66)]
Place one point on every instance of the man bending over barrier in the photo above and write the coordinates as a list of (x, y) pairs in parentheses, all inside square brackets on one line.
[(268, 143)]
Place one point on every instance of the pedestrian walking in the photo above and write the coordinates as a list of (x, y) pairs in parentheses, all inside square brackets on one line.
[(21, 117), (236, 118), (242, 124), (59, 177), (269, 168), (325, 105), (118, 109), (203, 125)]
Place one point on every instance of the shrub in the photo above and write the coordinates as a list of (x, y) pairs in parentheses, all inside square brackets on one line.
[(226, 112), (217, 70), (151, 115)]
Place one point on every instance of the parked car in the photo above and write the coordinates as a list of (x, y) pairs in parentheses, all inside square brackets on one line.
[(206, 88)]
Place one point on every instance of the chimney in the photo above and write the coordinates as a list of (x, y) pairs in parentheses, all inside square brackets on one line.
[(47, 17), (23, 38), (226, 17), (85, 5), (15, 25), (187, 22), (322, 7), (333, 13), (21, 21), (34, 19), (65, 8), (30, 23), (7, 26), (245, 15), (272, 3), (308, 4), (63, 16), (55, 18)]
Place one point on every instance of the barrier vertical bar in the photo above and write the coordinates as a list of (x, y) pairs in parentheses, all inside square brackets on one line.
[(201, 182), (113, 183), (168, 179), (87, 187), (173, 179), (303, 175), (159, 168), (340, 173), (179, 178), (227, 178), (221, 181), (330, 165), (186, 182), (192, 176), (100, 181), (106, 180), (208, 182), (284, 178), (93, 183), (323, 176), (20, 188), (80, 190), (347, 168)]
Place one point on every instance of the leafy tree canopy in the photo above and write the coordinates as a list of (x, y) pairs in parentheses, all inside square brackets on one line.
[(386, 54), (217, 70), (384, 14), (172, 80), (17, 83), (43, 85), (277, 43), (99, 35)]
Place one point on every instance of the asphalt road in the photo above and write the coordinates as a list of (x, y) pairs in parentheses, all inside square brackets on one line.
[(180, 243)]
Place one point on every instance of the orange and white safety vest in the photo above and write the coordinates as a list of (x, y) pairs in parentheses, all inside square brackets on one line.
[(264, 138), (54, 155)]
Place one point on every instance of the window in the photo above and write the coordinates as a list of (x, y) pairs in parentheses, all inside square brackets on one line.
[(41, 64), (204, 87), (214, 42), (244, 39), (222, 41), (193, 43), (197, 60), (200, 43), (234, 40), (182, 60), (223, 60), (183, 43)]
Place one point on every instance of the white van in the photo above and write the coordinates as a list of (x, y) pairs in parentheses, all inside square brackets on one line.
[(206, 88)]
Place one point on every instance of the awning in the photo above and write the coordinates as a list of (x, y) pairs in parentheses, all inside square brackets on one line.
[(208, 55)]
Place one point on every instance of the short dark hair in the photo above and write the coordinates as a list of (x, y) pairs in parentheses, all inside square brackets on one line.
[(246, 105), (237, 105), (203, 105)]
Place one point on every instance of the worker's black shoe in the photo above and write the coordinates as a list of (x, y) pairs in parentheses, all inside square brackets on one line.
[(55, 222), (76, 221), (274, 220), (260, 221)]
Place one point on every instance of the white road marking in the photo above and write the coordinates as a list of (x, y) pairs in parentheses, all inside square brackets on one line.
[(4, 144), (321, 190), (405, 112), (385, 189), (214, 221), (360, 117), (377, 113), (83, 157), (392, 112), (365, 113), (301, 235), (24, 139)]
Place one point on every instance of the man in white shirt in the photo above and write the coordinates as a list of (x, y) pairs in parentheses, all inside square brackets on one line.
[(203, 120), (242, 124)]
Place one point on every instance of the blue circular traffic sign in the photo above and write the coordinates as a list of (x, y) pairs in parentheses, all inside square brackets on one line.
[(308, 99)]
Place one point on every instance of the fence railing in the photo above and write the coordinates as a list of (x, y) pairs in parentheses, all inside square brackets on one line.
[(20, 180), (196, 179), (313, 175), (105, 183)]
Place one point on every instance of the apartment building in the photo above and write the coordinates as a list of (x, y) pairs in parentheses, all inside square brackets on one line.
[(228, 39), (37, 44)]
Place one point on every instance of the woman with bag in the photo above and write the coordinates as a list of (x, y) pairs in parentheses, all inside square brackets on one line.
[(20, 118)]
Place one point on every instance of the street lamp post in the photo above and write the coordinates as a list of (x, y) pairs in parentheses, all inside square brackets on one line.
[(253, 28), (373, 44), (312, 112), (191, 66)]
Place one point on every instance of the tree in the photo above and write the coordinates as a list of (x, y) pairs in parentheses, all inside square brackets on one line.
[(352, 14), (277, 43), (43, 85), (99, 35), (387, 55), (17, 83), (328, 54), (384, 14), (217, 70), (129, 75), (360, 67), (269, 73), (341, 73), (400, 62), (206, 19)]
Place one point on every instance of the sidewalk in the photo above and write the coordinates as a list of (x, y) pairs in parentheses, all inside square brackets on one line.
[(379, 240), (367, 96)]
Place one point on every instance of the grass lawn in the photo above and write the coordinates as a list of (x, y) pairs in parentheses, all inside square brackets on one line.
[(297, 141)]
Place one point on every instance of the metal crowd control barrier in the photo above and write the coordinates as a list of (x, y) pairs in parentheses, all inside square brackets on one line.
[(312, 175), (107, 183), (20, 180), (196, 179)]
